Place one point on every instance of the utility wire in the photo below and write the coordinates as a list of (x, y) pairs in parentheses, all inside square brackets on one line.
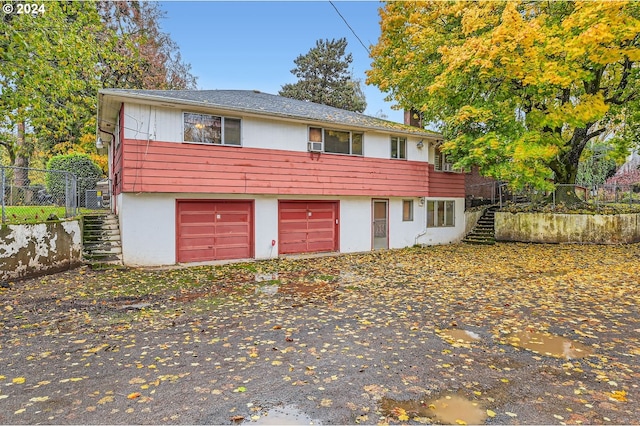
[(354, 33)]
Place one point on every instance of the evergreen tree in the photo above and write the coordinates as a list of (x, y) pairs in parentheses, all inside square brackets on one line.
[(324, 78)]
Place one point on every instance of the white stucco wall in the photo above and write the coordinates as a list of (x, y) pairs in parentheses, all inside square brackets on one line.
[(148, 229), (149, 235), (446, 235)]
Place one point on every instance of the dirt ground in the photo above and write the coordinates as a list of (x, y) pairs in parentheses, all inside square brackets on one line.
[(458, 334)]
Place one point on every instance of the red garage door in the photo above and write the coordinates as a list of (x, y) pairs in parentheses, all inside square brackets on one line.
[(214, 230), (307, 226)]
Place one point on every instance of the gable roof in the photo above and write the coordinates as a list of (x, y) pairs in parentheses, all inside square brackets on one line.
[(255, 102)]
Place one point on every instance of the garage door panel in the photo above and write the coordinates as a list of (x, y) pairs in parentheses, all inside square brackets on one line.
[(196, 207), (233, 217), (195, 242), (195, 217), (198, 254), (319, 225), (290, 215), (320, 246), (306, 227), (321, 235), (196, 230), (232, 240), (231, 228), (321, 215), (214, 230)]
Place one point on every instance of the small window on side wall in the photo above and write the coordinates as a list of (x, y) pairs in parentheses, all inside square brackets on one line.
[(407, 210), (398, 148)]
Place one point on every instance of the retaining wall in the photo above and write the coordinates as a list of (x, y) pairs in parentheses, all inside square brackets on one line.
[(35, 249), (568, 228)]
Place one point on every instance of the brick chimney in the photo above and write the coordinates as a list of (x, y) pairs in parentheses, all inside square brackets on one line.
[(413, 118)]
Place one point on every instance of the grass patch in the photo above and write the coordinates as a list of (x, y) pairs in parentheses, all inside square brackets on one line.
[(323, 277), (38, 214), (250, 267)]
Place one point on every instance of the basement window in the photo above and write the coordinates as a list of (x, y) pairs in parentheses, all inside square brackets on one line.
[(441, 213)]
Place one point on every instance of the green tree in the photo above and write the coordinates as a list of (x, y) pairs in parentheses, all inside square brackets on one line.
[(323, 77), (596, 164), (517, 87), (47, 77), (86, 171), (52, 64)]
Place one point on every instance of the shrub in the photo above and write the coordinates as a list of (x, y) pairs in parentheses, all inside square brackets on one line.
[(87, 172)]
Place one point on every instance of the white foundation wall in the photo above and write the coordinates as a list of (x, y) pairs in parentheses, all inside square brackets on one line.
[(148, 225), (147, 229), (448, 234)]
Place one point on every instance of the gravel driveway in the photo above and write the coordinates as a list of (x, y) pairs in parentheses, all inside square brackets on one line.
[(504, 334)]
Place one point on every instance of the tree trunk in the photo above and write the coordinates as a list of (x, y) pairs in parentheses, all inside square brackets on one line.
[(21, 180), (566, 167)]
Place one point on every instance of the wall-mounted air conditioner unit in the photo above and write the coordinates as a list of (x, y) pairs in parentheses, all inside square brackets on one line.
[(314, 146)]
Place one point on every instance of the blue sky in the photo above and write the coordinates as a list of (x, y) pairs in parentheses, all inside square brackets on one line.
[(252, 44)]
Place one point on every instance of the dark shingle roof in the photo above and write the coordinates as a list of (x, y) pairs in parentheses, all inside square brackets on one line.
[(251, 101)]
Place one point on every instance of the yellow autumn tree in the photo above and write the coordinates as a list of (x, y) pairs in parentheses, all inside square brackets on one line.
[(517, 87)]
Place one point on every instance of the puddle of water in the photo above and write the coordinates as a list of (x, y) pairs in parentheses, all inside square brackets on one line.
[(287, 415), (299, 290), (265, 277), (268, 289), (549, 344), (448, 409), (463, 335)]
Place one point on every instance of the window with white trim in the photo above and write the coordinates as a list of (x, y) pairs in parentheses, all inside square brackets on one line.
[(335, 141), (205, 128), (398, 148), (441, 213)]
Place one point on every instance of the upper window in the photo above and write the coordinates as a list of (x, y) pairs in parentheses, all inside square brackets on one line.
[(398, 148), (206, 128), (441, 162), (335, 141)]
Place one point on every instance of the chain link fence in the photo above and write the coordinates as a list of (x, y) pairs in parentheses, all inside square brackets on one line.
[(599, 196), (31, 195)]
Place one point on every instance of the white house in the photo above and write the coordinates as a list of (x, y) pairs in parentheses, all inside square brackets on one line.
[(201, 175)]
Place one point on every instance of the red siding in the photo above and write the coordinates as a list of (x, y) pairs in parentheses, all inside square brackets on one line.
[(175, 167), (151, 166), (307, 226), (445, 184), (117, 158)]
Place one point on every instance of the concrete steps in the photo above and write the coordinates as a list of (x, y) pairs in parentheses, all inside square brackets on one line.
[(484, 231), (101, 241)]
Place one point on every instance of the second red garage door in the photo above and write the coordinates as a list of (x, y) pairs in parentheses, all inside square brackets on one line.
[(214, 230), (307, 226)]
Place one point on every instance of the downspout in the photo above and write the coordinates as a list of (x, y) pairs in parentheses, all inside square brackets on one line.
[(423, 233)]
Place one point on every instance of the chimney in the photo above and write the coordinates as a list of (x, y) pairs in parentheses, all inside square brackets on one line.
[(413, 118)]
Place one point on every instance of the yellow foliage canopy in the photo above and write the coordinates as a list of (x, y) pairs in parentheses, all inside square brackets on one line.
[(557, 73)]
